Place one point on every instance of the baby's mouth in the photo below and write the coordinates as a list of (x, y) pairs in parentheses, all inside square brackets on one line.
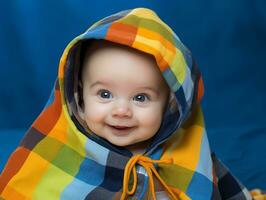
[(120, 130), (121, 127)]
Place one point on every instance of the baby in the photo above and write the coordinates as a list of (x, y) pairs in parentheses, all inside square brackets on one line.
[(127, 91), (123, 122)]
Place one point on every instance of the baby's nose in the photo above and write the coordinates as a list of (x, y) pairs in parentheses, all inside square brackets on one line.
[(122, 109)]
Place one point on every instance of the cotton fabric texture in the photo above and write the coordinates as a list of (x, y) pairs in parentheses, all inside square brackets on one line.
[(60, 158)]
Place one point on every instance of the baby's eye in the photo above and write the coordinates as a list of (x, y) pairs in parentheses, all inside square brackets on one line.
[(105, 94), (141, 97)]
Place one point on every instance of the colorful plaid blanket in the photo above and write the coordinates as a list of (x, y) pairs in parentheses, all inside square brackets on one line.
[(59, 158)]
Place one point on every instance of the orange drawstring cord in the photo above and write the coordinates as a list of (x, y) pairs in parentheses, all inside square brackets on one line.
[(148, 164)]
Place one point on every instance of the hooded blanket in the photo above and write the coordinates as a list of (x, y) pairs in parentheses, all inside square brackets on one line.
[(59, 158)]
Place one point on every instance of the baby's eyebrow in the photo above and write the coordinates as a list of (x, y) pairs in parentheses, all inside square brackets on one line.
[(154, 90), (98, 83)]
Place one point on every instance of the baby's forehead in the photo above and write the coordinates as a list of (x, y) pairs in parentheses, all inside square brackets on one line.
[(110, 61), (103, 51)]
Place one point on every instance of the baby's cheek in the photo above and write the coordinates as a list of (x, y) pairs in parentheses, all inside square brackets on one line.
[(95, 112), (152, 117)]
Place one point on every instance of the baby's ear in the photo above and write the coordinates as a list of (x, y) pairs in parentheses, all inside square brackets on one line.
[(80, 102), (81, 113)]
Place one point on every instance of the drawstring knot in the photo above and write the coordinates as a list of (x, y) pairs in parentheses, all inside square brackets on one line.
[(148, 164)]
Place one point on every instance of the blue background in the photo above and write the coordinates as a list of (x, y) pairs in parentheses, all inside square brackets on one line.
[(227, 38)]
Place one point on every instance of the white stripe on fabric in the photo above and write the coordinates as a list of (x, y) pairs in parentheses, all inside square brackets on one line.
[(96, 152)]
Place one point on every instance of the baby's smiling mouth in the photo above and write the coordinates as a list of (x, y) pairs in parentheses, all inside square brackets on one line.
[(121, 127), (120, 130)]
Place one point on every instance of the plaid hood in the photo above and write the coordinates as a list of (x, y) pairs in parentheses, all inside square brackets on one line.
[(59, 158)]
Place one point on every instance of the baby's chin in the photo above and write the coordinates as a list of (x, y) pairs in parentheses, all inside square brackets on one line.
[(120, 143), (136, 147)]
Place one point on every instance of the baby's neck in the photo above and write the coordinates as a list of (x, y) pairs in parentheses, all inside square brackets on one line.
[(138, 148)]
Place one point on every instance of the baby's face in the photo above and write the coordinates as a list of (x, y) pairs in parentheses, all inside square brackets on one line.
[(124, 95)]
